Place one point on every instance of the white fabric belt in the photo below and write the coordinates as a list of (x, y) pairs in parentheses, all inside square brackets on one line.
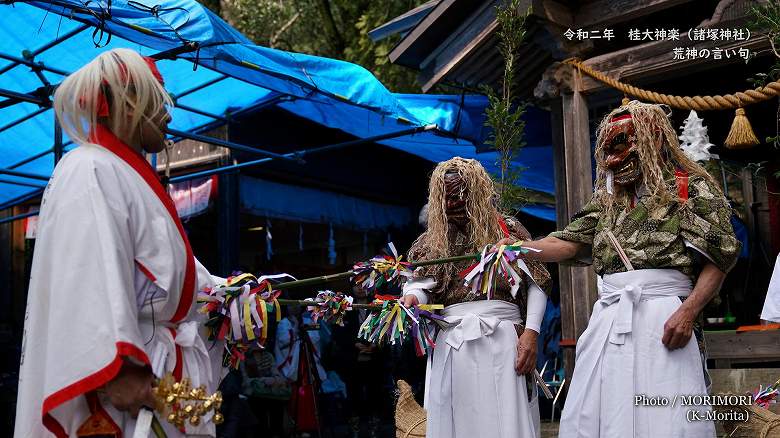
[(475, 319), (628, 288)]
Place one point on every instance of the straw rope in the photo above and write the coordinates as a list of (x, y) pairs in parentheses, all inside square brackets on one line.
[(698, 103)]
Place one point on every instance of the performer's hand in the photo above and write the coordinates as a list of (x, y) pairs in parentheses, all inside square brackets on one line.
[(504, 241), (131, 389), (409, 301), (526, 352), (678, 329)]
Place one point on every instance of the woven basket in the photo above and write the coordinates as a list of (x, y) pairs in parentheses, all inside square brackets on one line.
[(761, 423), (409, 416)]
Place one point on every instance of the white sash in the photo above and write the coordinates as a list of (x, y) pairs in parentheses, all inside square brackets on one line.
[(628, 288)]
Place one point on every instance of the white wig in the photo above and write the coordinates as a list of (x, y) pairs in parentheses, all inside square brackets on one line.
[(120, 77)]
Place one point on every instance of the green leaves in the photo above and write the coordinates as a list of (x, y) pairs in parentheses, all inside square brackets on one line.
[(333, 28), (504, 114)]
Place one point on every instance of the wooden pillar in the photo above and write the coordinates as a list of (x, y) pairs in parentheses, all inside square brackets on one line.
[(573, 189)]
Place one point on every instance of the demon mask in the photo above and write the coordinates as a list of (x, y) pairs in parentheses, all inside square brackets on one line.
[(620, 152)]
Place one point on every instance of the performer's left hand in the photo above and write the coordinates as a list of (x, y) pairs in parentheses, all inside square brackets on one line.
[(526, 352), (678, 329)]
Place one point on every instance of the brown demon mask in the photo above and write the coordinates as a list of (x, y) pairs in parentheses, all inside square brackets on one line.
[(620, 154), (455, 197)]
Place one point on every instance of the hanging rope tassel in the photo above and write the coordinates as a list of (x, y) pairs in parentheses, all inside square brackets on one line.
[(741, 135)]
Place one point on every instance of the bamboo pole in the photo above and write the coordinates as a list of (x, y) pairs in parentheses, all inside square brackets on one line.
[(286, 302), (347, 274)]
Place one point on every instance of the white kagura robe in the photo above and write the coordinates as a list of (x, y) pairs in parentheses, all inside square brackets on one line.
[(620, 357), (113, 279), (771, 310)]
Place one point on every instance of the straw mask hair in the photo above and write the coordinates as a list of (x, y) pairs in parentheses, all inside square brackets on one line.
[(120, 78), (479, 195), (656, 163)]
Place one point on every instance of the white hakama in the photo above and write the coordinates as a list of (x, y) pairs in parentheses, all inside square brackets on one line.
[(472, 389), (620, 355)]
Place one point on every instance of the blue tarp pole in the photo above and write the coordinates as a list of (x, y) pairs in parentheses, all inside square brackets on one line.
[(201, 86), (23, 97), (20, 183), (227, 144), (300, 154), (202, 113), (34, 157), (17, 217), (23, 174), (20, 199), (48, 46), (33, 64), (24, 119)]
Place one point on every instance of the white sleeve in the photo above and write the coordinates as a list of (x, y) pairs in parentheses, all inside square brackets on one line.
[(418, 288), (537, 303)]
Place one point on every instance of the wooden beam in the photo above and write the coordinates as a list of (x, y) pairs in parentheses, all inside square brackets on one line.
[(609, 12), (418, 30), (553, 11), (459, 45), (745, 347)]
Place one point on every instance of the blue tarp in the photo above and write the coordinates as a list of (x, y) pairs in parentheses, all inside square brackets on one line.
[(334, 93), (285, 201)]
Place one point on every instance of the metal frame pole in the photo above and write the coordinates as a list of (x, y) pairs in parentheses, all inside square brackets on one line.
[(19, 199), (23, 97), (33, 64), (228, 144), (17, 217), (290, 155), (24, 119), (48, 46), (21, 183), (23, 174), (300, 154)]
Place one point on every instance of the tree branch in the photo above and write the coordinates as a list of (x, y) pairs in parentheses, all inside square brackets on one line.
[(330, 25), (275, 37)]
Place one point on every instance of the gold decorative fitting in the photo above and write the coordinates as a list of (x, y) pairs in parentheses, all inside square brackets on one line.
[(181, 403)]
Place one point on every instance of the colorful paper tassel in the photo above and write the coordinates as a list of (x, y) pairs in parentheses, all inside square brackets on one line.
[(502, 262), (381, 270), (330, 306), (394, 323), (239, 313), (763, 397)]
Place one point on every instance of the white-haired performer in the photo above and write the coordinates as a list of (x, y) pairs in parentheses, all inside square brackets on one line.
[(113, 283)]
